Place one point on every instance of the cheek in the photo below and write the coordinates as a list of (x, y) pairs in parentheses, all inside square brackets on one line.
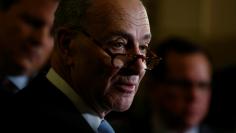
[(141, 75), (93, 73), (204, 100), (110, 78), (45, 53), (48, 47)]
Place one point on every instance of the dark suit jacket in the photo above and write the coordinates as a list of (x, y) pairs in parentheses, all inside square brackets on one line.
[(206, 129), (42, 107), (133, 122), (7, 89)]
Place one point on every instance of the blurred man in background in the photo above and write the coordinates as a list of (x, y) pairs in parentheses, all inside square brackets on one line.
[(180, 88), (25, 41)]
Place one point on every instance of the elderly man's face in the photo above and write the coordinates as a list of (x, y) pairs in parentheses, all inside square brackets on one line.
[(25, 35), (120, 28)]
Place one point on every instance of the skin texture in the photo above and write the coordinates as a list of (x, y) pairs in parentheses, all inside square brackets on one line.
[(25, 36), (183, 100), (88, 67)]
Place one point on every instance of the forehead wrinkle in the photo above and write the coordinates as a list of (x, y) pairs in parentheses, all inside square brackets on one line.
[(138, 19), (123, 14), (111, 13)]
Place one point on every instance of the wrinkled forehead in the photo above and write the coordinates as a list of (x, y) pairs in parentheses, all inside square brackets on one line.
[(132, 10), (118, 12)]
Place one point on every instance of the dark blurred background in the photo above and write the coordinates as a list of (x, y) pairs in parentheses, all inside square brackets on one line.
[(211, 23)]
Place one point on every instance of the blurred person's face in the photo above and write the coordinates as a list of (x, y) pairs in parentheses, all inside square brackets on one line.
[(119, 28), (185, 95), (25, 36)]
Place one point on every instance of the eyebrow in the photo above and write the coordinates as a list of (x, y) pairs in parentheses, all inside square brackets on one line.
[(128, 35), (37, 22), (120, 33)]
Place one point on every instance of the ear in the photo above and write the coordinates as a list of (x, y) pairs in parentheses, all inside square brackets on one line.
[(64, 39)]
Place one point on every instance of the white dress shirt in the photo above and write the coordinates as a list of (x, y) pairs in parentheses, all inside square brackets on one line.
[(19, 81)]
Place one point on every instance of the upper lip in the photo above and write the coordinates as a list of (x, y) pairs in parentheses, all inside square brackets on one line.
[(128, 80)]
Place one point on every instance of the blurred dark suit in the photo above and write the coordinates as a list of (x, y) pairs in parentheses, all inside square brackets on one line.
[(7, 90), (55, 112)]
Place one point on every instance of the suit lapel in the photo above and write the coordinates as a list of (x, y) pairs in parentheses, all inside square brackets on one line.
[(54, 106)]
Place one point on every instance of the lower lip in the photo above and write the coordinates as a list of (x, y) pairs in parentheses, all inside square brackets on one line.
[(126, 88)]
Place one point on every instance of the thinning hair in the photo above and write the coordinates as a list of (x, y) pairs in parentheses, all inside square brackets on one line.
[(71, 13), (178, 45)]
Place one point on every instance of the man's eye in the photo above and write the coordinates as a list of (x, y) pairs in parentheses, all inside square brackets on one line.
[(143, 49), (118, 45)]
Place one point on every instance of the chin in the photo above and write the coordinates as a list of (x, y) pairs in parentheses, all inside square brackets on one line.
[(192, 122), (123, 104)]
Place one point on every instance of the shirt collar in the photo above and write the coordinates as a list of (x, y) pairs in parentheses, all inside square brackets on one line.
[(89, 115), (19, 81), (193, 130)]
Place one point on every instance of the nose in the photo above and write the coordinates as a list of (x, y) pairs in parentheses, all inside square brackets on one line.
[(40, 37), (137, 63), (193, 93)]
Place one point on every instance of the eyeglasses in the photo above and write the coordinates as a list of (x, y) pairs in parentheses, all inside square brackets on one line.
[(119, 60)]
